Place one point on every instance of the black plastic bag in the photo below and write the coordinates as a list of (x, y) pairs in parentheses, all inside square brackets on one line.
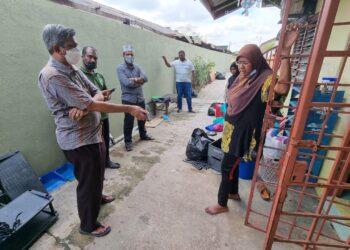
[(211, 111), (219, 76), (197, 147), (194, 94)]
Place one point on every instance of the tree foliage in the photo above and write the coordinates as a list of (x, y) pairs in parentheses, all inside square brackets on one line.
[(202, 69)]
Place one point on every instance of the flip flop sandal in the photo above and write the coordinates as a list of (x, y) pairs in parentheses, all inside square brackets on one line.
[(264, 192), (107, 199), (106, 231), (234, 197)]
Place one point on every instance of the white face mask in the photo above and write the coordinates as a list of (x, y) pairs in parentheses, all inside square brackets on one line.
[(73, 56), (129, 59)]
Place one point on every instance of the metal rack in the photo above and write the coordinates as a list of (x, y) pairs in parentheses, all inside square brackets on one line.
[(299, 214)]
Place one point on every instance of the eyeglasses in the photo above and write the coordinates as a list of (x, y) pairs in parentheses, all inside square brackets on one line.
[(242, 63)]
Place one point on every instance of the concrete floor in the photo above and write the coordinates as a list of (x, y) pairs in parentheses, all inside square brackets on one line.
[(160, 199)]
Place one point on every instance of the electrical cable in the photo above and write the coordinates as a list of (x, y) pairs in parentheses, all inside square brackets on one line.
[(6, 231)]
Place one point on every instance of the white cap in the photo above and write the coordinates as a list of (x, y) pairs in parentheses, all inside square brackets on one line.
[(127, 47)]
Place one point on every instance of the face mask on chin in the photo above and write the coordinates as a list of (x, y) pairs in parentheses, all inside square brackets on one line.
[(72, 56), (90, 65), (129, 59)]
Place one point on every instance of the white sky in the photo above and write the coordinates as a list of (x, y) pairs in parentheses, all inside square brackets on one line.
[(233, 29)]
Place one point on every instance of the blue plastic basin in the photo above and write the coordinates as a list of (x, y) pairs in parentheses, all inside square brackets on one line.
[(66, 171), (52, 181)]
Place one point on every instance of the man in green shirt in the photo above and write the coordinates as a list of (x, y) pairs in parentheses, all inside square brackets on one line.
[(89, 58)]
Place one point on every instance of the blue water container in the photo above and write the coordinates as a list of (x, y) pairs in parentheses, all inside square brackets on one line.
[(246, 169), (66, 171), (52, 181)]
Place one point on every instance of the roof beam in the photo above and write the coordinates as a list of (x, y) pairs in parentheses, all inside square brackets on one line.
[(226, 4)]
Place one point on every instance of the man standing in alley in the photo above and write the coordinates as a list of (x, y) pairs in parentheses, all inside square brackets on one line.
[(75, 104), (131, 79), (185, 77), (89, 57)]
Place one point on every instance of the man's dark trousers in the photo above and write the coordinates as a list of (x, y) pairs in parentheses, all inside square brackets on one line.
[(89, 166), (105, 134), (229, 178), (129, 123)]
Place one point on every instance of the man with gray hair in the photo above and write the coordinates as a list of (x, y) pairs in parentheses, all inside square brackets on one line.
[(76, 104), (131, 79)]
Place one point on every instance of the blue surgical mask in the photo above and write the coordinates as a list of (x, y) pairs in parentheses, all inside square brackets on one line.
[(129, 59)]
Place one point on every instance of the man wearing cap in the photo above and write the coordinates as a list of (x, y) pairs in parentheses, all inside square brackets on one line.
[(185, 74), (131, 79), (89, 58)]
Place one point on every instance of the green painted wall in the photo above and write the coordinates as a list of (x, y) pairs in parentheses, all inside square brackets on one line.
[(25, 122)]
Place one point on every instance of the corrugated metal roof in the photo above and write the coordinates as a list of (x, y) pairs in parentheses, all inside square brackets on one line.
[(219, 8), (106, 11)]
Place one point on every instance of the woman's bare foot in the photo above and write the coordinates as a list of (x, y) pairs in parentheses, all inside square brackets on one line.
[(235, 197), (107, 199), (216, 209)]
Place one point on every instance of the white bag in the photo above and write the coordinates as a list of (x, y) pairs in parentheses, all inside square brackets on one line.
[(276, 141)]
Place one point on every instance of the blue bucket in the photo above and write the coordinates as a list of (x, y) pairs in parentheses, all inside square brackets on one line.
[(246, 169)]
